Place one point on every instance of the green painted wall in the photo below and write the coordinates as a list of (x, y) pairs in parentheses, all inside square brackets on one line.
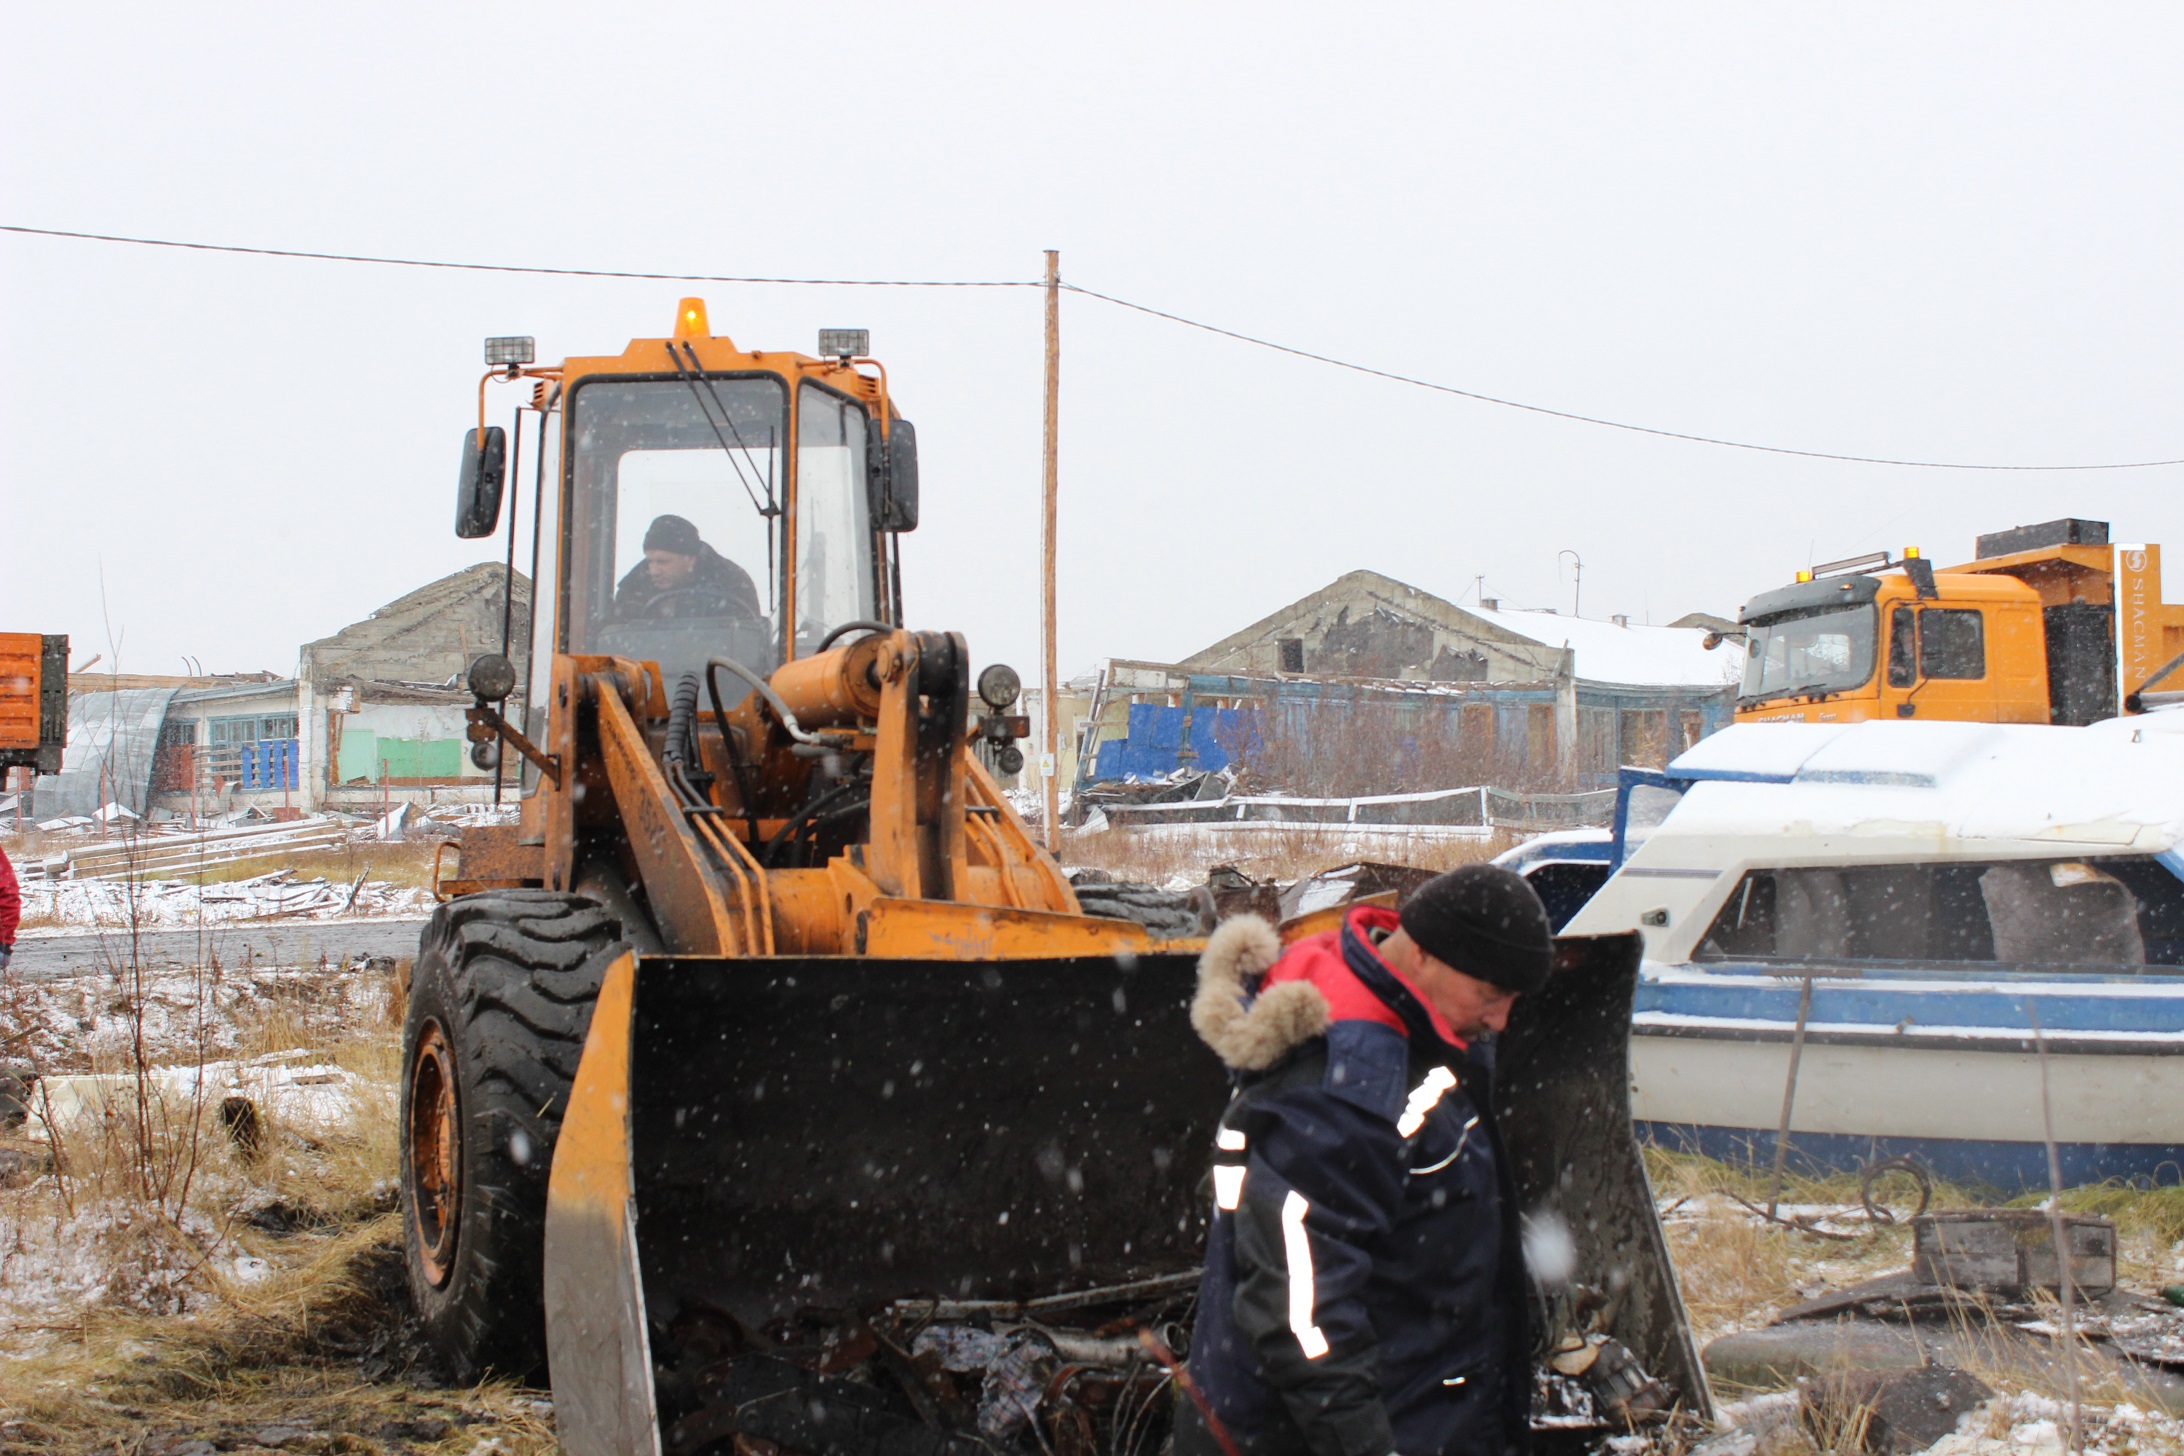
[(363, 753)]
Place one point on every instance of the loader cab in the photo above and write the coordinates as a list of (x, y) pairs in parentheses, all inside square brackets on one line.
[(1908, 644), (696, 501)]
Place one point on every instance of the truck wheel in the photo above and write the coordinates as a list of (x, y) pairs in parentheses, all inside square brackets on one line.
[(1165, 914), (499, 1003)]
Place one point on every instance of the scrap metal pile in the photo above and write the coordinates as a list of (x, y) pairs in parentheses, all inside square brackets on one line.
[(1081, 1374), (1092, 1373)]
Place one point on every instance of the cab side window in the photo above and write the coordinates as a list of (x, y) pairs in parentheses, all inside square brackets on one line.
[(1952, 644), (1903, 647)]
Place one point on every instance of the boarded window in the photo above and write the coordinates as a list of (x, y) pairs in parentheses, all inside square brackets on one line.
[(1292, 649), (1694, 727), (1645, 739), (1476, 731), (1539, 737), (1596, 741)]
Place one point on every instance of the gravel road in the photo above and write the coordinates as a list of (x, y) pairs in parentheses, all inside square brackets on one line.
[(53, 957)]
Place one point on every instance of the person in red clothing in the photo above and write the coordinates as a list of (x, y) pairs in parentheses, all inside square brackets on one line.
[(1364, 1290), (11, 909)]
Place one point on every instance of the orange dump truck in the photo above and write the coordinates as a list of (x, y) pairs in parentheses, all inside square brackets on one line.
[(2051, 623), (33, 702)]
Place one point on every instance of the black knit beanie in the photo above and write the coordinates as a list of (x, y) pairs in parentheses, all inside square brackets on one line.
[(1485, 921), (672, 533)]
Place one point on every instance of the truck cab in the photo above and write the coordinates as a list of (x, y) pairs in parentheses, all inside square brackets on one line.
[(1849, 648), (2047, 624)]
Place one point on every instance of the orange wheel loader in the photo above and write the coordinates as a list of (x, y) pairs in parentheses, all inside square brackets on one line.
[(769, 1046)]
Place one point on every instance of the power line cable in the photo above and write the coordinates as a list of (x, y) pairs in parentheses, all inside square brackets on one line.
[(1540, 409), (1108, 298), (393, 262)]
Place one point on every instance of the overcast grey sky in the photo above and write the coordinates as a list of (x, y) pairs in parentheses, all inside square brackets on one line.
[(1944, 231)]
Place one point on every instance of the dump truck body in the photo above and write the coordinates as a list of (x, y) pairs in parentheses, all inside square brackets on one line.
[(33, 701), (2047, 624)]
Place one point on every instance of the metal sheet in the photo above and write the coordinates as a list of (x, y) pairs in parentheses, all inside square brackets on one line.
[(1564, 1092)]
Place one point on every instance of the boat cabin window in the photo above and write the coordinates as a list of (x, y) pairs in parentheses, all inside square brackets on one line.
[(2099, 915)]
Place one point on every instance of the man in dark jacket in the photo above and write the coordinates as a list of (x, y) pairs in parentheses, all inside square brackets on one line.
[(681, 576), (1364, 1290)]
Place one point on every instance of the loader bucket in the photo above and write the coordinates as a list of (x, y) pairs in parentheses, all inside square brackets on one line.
[(752, 1142), (748, 1139)]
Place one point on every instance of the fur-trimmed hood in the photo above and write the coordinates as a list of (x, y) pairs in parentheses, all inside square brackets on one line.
[(1258, 1001), (1251, 1033)]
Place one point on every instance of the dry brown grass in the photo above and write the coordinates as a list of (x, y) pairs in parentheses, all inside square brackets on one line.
[(263, 1290), (407, 864), (1168, 854)]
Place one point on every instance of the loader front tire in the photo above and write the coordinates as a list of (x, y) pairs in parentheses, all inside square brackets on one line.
[(499, 1003)]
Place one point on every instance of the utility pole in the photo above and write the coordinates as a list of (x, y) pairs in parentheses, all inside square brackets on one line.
[(1577, 579), (1050, 757)]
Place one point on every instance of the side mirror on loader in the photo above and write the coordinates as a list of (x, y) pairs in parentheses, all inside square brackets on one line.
[(478, 488), (891, 466)]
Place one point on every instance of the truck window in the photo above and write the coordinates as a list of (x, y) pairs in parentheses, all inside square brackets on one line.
[(2101, 916), (1952, 643), (1903, 647)]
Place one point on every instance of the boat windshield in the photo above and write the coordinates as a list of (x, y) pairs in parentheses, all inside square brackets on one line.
[(1823, 650), (2102, 916)]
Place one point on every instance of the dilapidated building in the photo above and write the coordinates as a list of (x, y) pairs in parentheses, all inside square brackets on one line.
[(1370, 685), (372, 714)]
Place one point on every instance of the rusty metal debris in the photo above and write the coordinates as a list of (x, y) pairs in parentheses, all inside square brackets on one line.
[(1066, 1375)]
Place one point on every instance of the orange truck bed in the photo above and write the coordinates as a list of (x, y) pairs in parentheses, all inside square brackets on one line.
[(33, 700)]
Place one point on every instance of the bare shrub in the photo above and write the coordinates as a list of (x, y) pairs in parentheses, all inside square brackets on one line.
[(1378, 743)]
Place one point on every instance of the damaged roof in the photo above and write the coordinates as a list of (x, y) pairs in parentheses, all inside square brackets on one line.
[(428, 635)]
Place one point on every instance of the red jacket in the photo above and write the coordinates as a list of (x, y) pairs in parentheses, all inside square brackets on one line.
[(11, 901)]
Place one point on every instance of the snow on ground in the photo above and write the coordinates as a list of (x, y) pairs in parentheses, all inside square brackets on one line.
[(2026, 1424), (2023, 1423), (113, 1252), (91, 1023), (69, 907), (294, 1088)]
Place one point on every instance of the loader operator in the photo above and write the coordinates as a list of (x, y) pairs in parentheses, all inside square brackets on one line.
[(1364, 1291), (680, 577)]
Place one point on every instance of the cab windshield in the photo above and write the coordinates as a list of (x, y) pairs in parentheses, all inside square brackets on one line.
[(674, 505), (1826, 650)]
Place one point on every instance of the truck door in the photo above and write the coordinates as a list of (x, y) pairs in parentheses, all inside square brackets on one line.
[(1953, 665)]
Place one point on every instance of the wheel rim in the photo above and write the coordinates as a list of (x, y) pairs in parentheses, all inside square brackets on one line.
[(435, 1152)]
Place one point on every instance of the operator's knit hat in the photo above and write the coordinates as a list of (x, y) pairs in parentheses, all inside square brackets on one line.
[(672, 533), (1485, 921)]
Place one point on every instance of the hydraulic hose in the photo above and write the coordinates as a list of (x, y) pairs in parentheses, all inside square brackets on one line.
[(812, 811), (682, 712), (745, 790), (860, 625), (765, 690)]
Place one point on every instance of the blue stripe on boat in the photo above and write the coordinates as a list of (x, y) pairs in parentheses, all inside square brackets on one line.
[(2140, 1004)]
